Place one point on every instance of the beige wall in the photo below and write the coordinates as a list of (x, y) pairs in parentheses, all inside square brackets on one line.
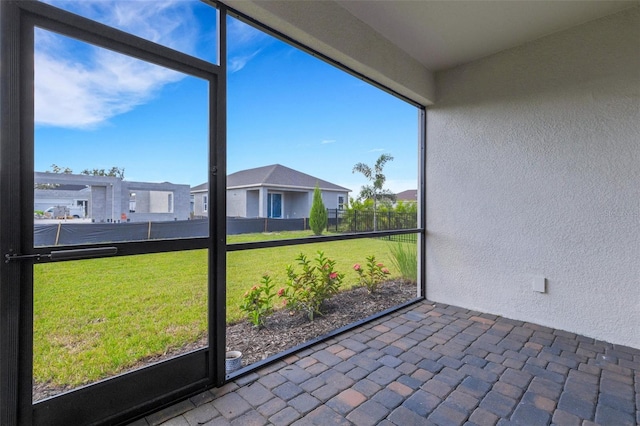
[(533, 171)]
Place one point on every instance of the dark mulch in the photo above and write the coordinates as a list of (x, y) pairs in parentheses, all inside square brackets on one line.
[(284, 330)]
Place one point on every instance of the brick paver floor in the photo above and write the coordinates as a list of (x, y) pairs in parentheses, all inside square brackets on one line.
[(431, 364)]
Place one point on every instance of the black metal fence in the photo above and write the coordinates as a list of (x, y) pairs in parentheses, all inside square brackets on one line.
[(340, 221), (401, 238), (365, 220)]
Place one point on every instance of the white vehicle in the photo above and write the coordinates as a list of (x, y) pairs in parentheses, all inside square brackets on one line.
[(64, 212)]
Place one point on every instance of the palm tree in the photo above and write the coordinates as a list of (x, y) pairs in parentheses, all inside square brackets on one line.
[(375, 191)]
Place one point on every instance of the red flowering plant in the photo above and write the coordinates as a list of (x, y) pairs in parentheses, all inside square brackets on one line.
[(307, 290), (258, 301), (372, 274)]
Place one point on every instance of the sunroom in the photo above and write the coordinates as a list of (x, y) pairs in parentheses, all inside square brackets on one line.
[(517, 123)]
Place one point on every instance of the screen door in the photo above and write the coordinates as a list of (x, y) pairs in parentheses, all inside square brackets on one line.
[(119, 270)]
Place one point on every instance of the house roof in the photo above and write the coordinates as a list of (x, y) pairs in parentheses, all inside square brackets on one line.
[(275, 175), (278, 175), (408, 195), (203, 187)]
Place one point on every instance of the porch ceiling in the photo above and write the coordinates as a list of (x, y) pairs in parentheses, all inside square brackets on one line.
[(443, 34), (400, 44)]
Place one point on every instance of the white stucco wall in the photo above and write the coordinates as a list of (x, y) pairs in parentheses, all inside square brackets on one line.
[(533, 170), (237, 203)]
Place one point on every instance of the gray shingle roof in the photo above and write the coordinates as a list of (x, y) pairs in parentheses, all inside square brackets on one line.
[(201, 188), (275, 175), (408, 195)]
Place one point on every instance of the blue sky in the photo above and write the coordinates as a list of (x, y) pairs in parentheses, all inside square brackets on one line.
[(98, 109)]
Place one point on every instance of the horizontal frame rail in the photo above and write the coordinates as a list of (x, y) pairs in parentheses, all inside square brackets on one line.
[(318, 239)]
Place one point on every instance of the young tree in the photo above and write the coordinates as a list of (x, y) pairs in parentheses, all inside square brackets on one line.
[(375, 191), (54, 169), (57, 169), (318, 216), (113, 172)]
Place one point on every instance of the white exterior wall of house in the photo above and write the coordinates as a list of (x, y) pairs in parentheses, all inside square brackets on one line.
[(153, 201), (253, 203), (295, 204), (533, 171), (330, 199), (237, 202), (199, 208)]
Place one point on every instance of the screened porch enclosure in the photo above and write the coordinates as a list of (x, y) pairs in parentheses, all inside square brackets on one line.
[(132, 305)]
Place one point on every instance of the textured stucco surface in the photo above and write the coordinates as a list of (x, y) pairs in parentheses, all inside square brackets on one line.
[(533, 170)]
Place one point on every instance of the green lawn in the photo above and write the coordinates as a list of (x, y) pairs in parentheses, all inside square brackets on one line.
[(94, 318)]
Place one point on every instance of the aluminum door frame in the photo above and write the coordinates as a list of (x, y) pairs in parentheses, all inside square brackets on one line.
[(140, 391)]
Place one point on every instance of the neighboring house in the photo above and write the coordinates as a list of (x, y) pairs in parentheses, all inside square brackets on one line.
[(111, 199), (273, 191), (408, 196), (62, 195), (200, 200)]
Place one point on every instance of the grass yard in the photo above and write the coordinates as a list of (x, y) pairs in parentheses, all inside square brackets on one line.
[(95, 318)]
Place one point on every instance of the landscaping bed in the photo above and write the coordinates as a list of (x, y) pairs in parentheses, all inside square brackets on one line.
[(284, 330)]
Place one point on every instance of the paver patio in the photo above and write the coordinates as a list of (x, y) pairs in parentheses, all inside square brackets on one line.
[(431, 364)]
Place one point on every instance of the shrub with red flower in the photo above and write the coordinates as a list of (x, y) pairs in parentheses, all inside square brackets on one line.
[(258, 302), (373, 274), (307, 290)]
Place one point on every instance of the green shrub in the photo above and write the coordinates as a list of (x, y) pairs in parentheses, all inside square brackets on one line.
[(307, 291), (372, 275), (318, 217), (258, 302)]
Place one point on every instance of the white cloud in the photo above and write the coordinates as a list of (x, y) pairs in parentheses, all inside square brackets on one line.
[(74, 94), (328, 141), (79, 85), (241, 35), (237, 62), (168, 22), (245, 43)]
